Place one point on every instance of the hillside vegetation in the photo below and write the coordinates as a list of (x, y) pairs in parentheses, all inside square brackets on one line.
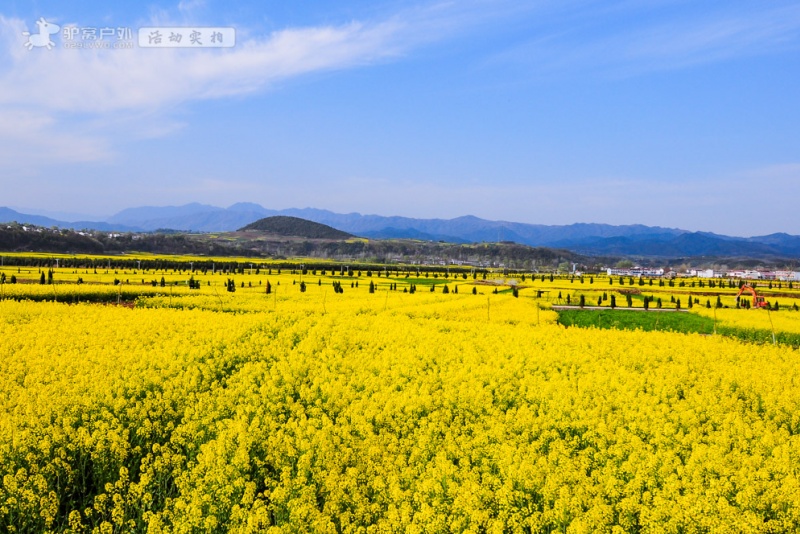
[(295, 227)]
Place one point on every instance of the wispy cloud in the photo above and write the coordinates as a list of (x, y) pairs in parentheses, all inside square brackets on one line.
[(719, 37), (30, 140), (631, 37), (188, 6), (44, 93), (99, 81), (778, 175)]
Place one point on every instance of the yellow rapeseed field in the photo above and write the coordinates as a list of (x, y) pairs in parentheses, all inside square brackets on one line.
[(388, 411)]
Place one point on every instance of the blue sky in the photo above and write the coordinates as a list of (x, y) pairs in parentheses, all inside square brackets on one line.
[(671, 113)]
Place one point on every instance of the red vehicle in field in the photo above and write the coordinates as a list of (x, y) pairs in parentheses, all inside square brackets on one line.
[(758, 302)]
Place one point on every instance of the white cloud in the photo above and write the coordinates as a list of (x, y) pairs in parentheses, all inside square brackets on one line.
[(62, 91), (30, 139), (101, 81)]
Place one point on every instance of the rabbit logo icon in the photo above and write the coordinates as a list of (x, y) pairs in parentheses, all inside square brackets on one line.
[(46, 29)]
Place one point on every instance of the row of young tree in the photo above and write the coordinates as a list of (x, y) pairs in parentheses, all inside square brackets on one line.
[(648, 300), (216, 266)]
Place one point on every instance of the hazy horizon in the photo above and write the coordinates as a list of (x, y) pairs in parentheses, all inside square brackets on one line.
[(77, 217)]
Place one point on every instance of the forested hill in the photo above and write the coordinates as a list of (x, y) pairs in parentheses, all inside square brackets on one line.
[(19, 238), (283, 225), (28, 238)]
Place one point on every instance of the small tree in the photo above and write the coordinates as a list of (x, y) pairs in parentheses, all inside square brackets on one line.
[(474, 290), (371, 285), (445, 289), (582, 301), (302, 287), (268, 287), (613, 302)]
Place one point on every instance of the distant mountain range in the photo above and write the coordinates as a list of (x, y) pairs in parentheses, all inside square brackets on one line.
[(590, 239), (8, 215)]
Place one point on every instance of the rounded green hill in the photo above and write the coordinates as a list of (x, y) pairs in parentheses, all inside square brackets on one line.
[(294, 227)]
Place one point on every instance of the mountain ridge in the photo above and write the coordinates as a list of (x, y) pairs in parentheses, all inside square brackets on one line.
[(585, 238)]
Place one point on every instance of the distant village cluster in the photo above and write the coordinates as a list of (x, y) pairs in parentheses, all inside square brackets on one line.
[(747, 274)]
